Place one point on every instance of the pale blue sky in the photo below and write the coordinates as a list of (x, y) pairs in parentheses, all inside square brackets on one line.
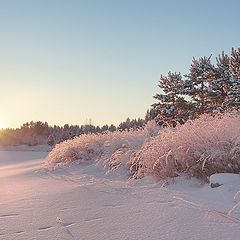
[(66, 61)]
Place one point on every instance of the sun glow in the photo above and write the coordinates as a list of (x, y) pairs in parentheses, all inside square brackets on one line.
[(2, 122)]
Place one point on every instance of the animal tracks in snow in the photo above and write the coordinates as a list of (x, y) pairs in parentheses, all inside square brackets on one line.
[(170, 203), (44, 228), (9, 215), (112, 205), (93, 219), (68, 224), (64, 226), (19, 232)]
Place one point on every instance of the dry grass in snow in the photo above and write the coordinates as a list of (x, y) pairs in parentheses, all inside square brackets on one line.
[(112, 149), (198, 148)]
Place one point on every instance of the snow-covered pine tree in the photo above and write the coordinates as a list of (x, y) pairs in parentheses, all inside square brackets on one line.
[(151, 114), (234, 92), (198, 85), (235, 63), (171, 107), (221, 83)]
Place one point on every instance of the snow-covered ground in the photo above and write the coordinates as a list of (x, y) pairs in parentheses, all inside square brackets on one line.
[(82, 202), (26, 148)]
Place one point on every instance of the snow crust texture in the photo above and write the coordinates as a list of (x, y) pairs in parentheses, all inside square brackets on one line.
[(83, 202)]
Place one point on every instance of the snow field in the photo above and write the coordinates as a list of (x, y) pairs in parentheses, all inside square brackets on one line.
[(83, 202)]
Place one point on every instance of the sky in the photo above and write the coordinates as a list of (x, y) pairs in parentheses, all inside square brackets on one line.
[(72, 61)]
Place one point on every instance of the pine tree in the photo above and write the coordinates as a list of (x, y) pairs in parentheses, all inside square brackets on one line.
[(112, 128), (171, 107), (198, 85), (235, 63), (151, 114), (221, 84), (234, 92)]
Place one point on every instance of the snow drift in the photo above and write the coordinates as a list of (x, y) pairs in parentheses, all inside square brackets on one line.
[(208, 145)]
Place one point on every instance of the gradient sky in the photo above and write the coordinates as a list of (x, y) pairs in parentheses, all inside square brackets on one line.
[(69, 61)]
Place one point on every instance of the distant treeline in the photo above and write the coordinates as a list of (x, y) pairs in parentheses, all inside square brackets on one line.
[(207, 88), (35, 133)]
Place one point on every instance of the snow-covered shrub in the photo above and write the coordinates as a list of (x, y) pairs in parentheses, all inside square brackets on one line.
[(112, 149), (198, 148)]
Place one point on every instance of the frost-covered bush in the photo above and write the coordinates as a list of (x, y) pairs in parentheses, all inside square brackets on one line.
[(112, 149), (198, 148)]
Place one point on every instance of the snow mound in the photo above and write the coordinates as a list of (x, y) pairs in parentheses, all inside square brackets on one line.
[(219, 179)]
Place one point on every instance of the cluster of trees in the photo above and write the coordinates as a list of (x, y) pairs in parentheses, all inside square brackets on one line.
[(207, 88), (132, 124), (35, 133)]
